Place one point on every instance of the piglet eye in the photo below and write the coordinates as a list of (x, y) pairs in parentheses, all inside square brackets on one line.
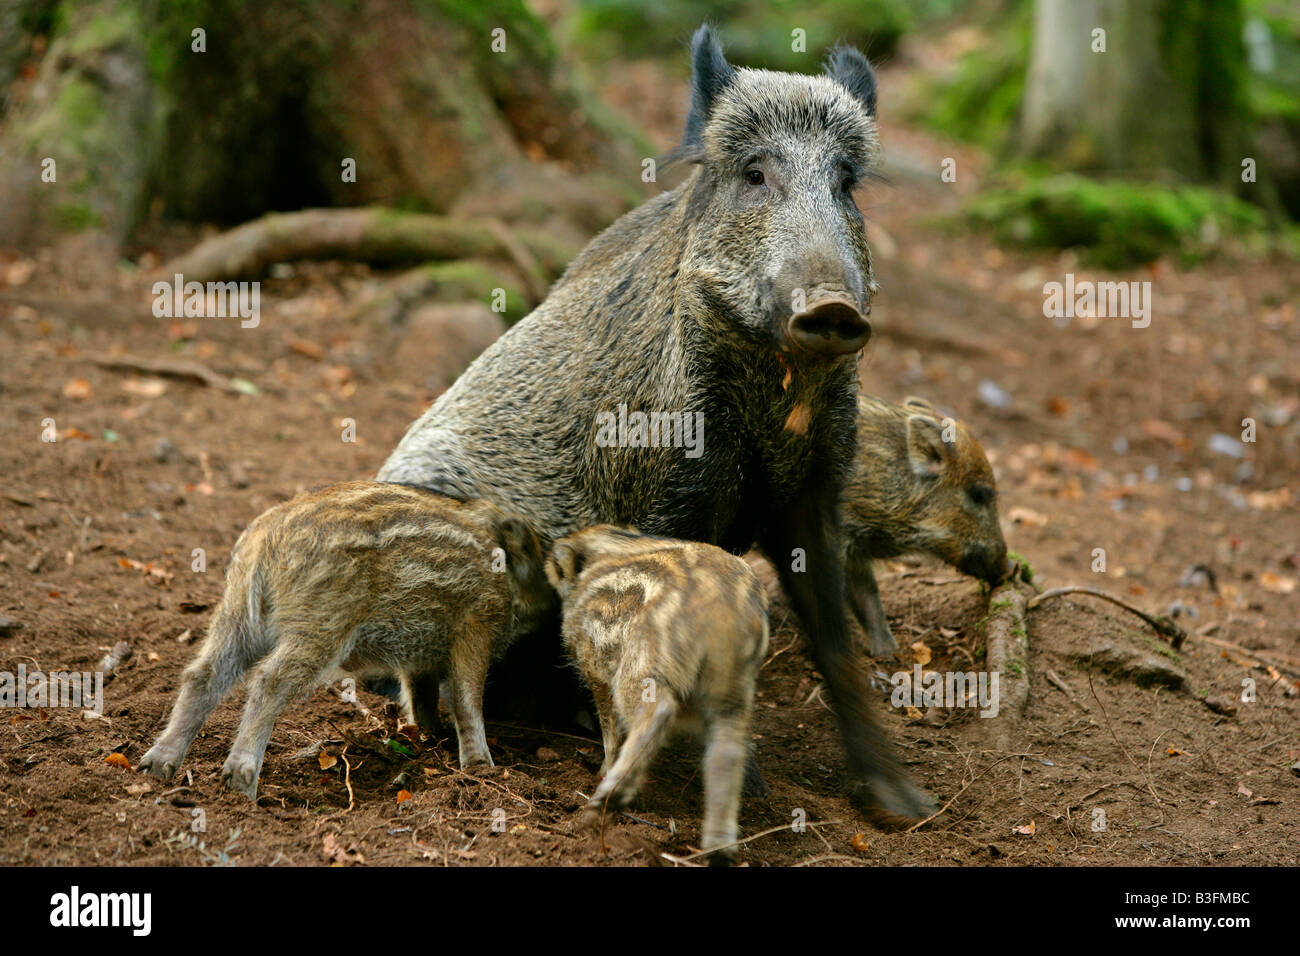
[(754, 177), (980, 494), (847, 185)]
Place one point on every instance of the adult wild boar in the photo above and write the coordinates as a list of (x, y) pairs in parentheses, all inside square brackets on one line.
[(733, 304)]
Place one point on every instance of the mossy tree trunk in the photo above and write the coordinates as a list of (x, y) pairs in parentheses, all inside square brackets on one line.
[(1163, 101), (270, 105)]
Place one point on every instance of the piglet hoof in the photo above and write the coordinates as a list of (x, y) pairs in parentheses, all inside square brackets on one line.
[(240, 775), (478, 759), (725, 857), (589, 820), (892, 802), (159, 762)]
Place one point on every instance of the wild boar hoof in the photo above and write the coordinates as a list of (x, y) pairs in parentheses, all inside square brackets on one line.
[(882, 643), (892, 802), (240, 775)]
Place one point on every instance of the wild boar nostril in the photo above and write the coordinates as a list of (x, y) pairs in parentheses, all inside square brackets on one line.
[(832, 326)]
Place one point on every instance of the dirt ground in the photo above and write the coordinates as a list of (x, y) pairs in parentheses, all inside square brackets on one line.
[(1100, 434)]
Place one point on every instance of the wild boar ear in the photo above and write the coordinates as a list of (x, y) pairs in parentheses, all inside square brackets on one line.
[(850, 69), (710, 75), (926, 449)]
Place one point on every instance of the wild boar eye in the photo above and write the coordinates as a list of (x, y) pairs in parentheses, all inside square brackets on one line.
[(754, 177), (847, 184), (980, 495)]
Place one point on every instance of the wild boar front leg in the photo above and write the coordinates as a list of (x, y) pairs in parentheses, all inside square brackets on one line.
[(863, 595), (880, 786)]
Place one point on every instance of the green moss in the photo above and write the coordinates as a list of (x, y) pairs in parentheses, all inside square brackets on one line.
[(1155, 646), (1016, 667), (75, 217), (979, 99), (1114, 224), (1026, 571)]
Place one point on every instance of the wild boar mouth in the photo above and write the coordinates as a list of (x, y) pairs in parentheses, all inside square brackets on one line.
[(831, 326)]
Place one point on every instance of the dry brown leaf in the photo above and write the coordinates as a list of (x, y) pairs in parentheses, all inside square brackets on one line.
[(327, 760), (118, 760), (1028, 829), (1274, 500), (307, 349), (144, 387), (859, 842), (1027, 517), (403, 796), (336, 854), (1276, 583), (922, 653), (76, 388)]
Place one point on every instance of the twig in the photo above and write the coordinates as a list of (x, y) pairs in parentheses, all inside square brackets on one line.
[(1055, 680), (191, 371), (1161, 624), (749, 839), (1150, 784), (1260, 657), (943, 809)]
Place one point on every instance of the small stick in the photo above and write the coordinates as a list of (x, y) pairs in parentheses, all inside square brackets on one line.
[(1162, 625), (1055, 680), (191, 371), (1279, 660), (749, 839)]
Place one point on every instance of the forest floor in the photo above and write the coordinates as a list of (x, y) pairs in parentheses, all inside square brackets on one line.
[(1128, 752)]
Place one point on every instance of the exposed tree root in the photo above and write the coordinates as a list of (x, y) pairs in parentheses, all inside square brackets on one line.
[(1006, 646), (1161, 624), (373, 234)]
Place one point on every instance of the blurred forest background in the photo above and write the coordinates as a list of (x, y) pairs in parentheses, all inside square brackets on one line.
[(1127, 147)]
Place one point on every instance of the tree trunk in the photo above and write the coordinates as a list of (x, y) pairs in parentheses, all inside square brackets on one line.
[(1161, 101)]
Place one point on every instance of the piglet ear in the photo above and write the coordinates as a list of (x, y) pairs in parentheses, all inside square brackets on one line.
[(710, 75), (564, 565), (850, 69), (926, 449)]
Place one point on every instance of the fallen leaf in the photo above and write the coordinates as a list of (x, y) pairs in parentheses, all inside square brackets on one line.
[(326, 760), (118, 760), (859, 842), (403, 796), (1027, 517), (145, 387), (1028, 829), (1274, 500), (1276, 583), (308, 349), (922, 653), (76, 388), (1175, 752), (1244, 790), (334, 853)]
